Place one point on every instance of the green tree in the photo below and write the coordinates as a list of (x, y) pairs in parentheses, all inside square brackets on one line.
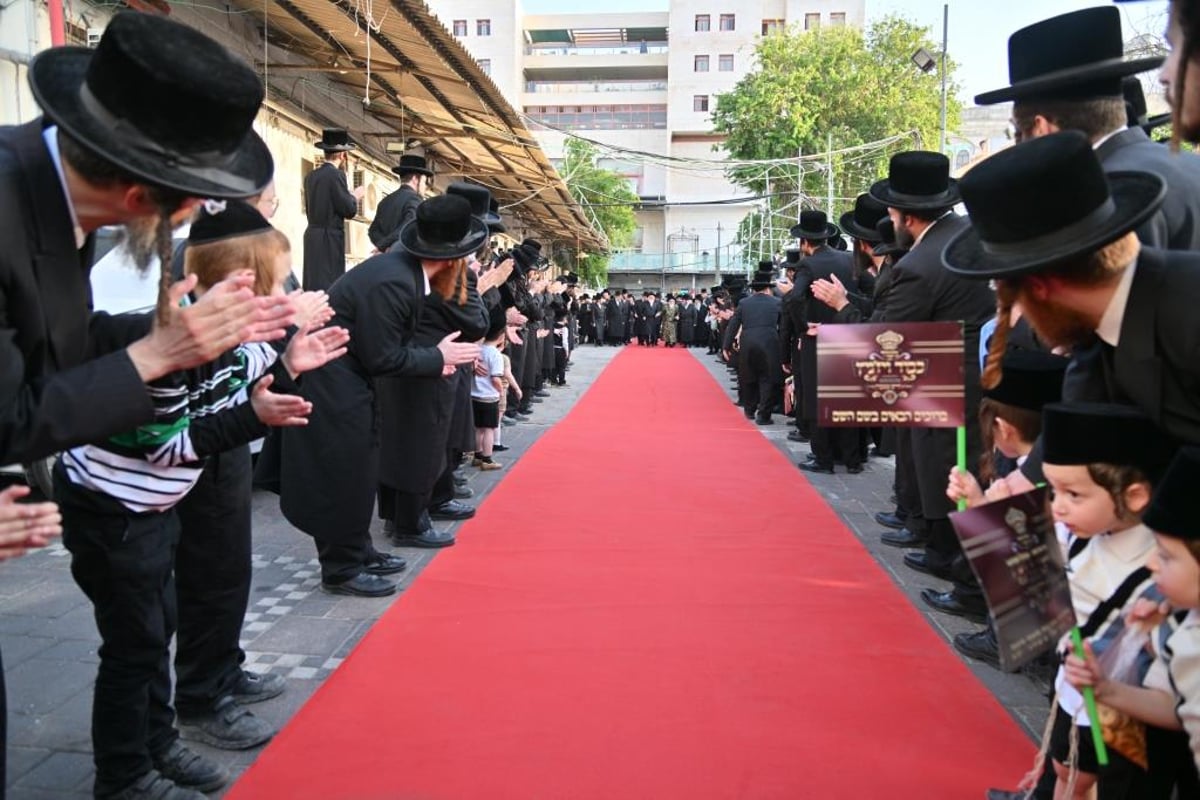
[(606, 199), (841, 86)]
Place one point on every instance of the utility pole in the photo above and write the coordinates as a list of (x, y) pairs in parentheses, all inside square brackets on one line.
[(829, 170), (717, 253), (945, 44)]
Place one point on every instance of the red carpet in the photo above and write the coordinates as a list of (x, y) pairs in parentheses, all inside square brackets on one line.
[(654, 604)]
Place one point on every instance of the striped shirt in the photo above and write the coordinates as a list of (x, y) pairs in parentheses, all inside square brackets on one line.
[(152, 468)]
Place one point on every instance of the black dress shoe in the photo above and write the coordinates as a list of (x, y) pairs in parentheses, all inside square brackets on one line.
[(541, 393), (796, 436), (499, 448), (889, 520), (902, 538), (452, 509), (980, 646), (952, 602), (814, 466), (763, 420), (920, 563), (384, 564), (854, 469), (361, 585), (748, 414), (431, 539)]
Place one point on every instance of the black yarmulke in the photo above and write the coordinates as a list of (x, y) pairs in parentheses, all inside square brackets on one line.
[(226, 220), (1175, 508), (1105, 433)]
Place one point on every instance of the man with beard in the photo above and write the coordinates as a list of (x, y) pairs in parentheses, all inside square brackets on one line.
[(328, 204), (920, 195), (67, 376), (1066, 74), (400, 207), (1065, 253)]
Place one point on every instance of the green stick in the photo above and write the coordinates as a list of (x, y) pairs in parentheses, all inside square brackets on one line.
[(962, 461), (1089, 697)]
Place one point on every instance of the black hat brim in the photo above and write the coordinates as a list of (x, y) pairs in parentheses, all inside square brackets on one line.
[(882, 191), (436, 251), (408, 170), (1067, 79), (887, 249), (852, 228), (1136, 196), (56, 76), (830, 231)]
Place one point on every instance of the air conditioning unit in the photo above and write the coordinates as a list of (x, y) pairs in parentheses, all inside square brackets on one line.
[(93, 36)]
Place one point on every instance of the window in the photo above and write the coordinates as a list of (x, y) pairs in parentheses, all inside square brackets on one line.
[(485, 64), (700, 64), (460, 27), (725, 62), (812, 21), (702, 22), (605, 117), (837, 19), (483, 27), (770, 26), (727, 22), (700, 102)]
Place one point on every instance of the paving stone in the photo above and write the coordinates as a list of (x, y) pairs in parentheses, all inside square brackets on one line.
[(36, 685), (61, 772), (303, 635)]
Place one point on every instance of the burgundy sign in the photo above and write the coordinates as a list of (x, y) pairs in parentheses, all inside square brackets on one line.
[(1019, 563), (907, 374)]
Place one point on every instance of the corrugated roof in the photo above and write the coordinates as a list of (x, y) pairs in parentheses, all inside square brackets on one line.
[(423, 85)]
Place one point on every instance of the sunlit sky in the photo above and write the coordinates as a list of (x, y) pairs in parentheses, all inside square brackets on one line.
[(978, 31)]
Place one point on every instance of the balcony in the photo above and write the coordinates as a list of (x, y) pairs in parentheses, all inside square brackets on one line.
[(596, 86), (675, 262)]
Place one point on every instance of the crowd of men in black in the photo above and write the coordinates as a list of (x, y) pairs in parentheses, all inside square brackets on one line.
[(1081, 240)]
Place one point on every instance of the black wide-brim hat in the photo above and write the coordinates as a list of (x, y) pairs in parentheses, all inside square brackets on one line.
[(1079, 55), (1043, 202), (1175, 507), (413, 163), (861, 221), (814, 226), (161, 101), (888, 245), (918, 180), (444, 229), (335, 140)]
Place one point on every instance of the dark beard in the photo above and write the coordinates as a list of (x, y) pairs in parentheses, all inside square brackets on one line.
[(904, 237), (1056, 324), (140, 240)]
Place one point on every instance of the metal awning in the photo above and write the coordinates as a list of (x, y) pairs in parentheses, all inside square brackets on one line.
[(424, 86)]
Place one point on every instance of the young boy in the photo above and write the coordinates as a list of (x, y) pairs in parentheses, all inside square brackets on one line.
[(485, 396)]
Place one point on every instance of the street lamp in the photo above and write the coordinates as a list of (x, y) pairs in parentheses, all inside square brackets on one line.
[(926, 63)]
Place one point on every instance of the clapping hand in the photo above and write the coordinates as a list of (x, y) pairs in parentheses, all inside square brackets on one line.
[(312, 308), (830, 292), (312, 349), (278, 410), (25, 526)]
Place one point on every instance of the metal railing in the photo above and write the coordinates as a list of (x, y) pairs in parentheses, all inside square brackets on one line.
[(576, 87), (633, 49)]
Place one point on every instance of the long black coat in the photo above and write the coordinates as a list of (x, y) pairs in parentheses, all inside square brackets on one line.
[(58, 388), (329, 204), (1175, 226), (687, 323), (757, 318), (330, 468), (924, 291), (821, 265), (615, 320), (416, 412), (392, 213)]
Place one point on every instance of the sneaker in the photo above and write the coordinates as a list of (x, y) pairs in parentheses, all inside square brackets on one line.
[(153, 786), (487, 466), (228, 727), (477, 461), (189, 769), (254, 687)]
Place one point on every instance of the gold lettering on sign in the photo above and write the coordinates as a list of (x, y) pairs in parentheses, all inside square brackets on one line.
[(890, 372)]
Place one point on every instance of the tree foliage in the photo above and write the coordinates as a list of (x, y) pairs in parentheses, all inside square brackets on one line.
[(606, 199), (842, 84)]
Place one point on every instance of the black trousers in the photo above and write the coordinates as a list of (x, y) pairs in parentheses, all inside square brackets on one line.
[(123, 563), (443, 490), (830, 443), (343, 560), (908, 496), (212, 582), (405, 508)]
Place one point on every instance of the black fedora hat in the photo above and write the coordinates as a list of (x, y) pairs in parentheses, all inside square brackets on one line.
[(335, 140), (444, 229), (161, 101), (814, 226), (792, 259), (1136, 109), (412, 163), (860, 223), (1080, 55), (888, 245), (494, 222), (1175, 506), (764, 276), (480, 198), (918, 180), (1045, 201)]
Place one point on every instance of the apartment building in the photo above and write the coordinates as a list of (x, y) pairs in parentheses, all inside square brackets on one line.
[(645, 84)]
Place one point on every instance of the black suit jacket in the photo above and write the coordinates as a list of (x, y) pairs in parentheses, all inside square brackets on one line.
[(821, 265), (65, 378), (393, 212), (1176, 226)]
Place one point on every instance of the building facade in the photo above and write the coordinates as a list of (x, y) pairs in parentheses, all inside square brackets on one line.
[(645, 85)]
